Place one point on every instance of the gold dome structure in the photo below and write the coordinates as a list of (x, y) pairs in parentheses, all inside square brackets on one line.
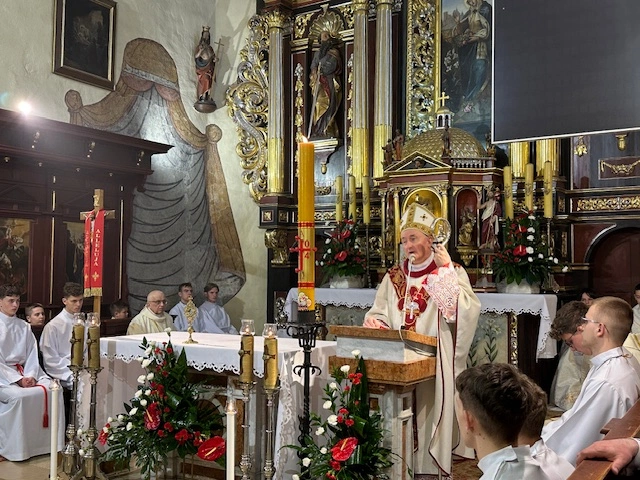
[(430, 144)]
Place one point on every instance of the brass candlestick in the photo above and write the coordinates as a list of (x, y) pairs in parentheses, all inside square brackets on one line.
[(245, 458), (91, 468), (71, 462), (190, 311), (272, 394)]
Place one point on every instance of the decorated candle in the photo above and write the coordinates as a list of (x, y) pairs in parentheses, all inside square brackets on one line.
[(77, 341), (338, 185), (352, 197), (508, 192), (247, 330), (270, 356), (306, 228), (55, 393), (548, 190), (366, 201), (528, 186), (94, 337)]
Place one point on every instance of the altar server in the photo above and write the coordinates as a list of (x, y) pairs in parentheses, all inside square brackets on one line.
[(431, 295), (185, 293), (213, 318), (25, 397)]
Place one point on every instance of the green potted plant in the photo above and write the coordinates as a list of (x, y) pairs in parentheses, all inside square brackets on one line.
[(342, 261)]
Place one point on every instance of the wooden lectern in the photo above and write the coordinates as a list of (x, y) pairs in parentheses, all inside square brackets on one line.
[(396, 361)]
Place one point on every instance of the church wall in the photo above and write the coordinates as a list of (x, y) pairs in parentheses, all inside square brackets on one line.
[(26, 41)]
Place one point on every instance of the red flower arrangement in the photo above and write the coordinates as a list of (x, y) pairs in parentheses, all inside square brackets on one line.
[(165, 415), (348, 444), (342, 254)]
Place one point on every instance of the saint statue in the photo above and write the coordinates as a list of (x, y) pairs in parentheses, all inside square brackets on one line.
[(398, 143), (491, 221), (324, 80), (205, 60)]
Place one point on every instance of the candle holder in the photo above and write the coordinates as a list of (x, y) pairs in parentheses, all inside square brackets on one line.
[(245, 458), (90, 466), (190, 311), (272, 395), (368, 255), (271, 381), (71, 461)]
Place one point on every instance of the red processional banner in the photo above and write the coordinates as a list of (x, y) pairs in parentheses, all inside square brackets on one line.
[(93, 250)]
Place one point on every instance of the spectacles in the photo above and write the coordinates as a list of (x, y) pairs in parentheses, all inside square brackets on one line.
[(569, 342), (158, 302), (588, 320)]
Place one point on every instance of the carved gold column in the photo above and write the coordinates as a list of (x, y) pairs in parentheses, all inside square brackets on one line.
[(360, 143), (382, 132), (548, 149), (519, 156), (275, 128), (396, 225)]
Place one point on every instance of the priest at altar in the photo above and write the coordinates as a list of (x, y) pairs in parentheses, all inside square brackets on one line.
[(431, 295)]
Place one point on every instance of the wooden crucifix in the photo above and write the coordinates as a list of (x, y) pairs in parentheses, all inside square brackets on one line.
[(94, 247)]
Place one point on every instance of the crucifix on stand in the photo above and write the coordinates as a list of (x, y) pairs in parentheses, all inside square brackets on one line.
[(94, 246)]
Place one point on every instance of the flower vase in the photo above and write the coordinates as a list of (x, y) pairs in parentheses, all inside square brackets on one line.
[(353, 281), (522, 287)]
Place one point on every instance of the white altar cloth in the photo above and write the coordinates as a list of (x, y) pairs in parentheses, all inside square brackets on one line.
[(499, 303), (219, 353)]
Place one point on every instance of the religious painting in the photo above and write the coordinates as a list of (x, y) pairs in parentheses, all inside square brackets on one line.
[(85, 41), (74, 245), (465, 63), (15, 237)]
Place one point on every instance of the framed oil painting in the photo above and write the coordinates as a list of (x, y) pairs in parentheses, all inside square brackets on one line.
[(74, 259), (465, 63), (15, 241), (85, 41)]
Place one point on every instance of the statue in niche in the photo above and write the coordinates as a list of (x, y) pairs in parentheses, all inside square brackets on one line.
[(324, 80), (491, 221), (205, 62), (468, 221)]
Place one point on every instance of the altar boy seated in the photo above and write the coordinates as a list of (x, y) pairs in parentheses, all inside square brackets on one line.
[(25, 398), (185, 293), (213, 318)]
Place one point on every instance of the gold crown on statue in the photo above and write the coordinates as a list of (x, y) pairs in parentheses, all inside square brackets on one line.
[(418, 217)]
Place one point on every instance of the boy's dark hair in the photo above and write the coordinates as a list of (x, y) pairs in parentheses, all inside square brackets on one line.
[(494, 393), (9, 290), (186, 284), (589, 292), (532, 426), (568, 319), (72, 289), (637, 287), (118, 306), (29, 308), (209, 286)]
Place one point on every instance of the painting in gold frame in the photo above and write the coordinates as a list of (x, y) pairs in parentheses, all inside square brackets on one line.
[(85, 41), (15, 241)]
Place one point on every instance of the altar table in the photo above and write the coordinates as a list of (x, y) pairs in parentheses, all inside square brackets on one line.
[(219, 353), (498, 303)]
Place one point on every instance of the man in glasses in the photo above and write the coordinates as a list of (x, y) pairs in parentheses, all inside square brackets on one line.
[(612, 385), (152, 318)]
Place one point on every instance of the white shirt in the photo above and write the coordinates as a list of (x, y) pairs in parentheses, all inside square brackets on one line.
[(17, 347), (511, 463), (609, 391), (214, 319), (554, 466), (55, 344)]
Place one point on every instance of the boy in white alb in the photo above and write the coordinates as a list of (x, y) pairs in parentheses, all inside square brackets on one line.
[(213, 318)]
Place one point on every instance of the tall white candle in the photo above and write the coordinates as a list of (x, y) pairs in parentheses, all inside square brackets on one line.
[(53, 426), (231, 438)]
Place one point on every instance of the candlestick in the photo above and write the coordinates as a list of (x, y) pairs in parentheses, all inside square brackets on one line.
[(53, 467), (548, 190), (77, 340), (528, 187), (366, 201), (338, 184), (270, 356), (231, 438), (306, 230), (508, 192), (352, 197), (94, 340), (246, 351)]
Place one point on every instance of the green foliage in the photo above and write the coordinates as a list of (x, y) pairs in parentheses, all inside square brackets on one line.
[(165, 414), (342, 254)]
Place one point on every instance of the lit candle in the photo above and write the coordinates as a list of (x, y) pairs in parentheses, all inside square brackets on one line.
[(231, 438), (77, 341), (94, 338), (306, 229), (366, 201), (508, 192), (352, 197), (53, 466), (528, 187), (548, 190), (270, 356), (246, 351), (338, 185)]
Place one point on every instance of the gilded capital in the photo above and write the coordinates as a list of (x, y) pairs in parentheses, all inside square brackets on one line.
[(360, 5), (275, 19)]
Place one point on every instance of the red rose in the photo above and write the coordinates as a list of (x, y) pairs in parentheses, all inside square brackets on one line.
[(182, 436), (343, 411), (169, 350), (344, 448), (161, 433), (152, 417), (335, 465), (102, 438), (347, 388), (349, 422), (341, 257), (212, 449), (168, 427)]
